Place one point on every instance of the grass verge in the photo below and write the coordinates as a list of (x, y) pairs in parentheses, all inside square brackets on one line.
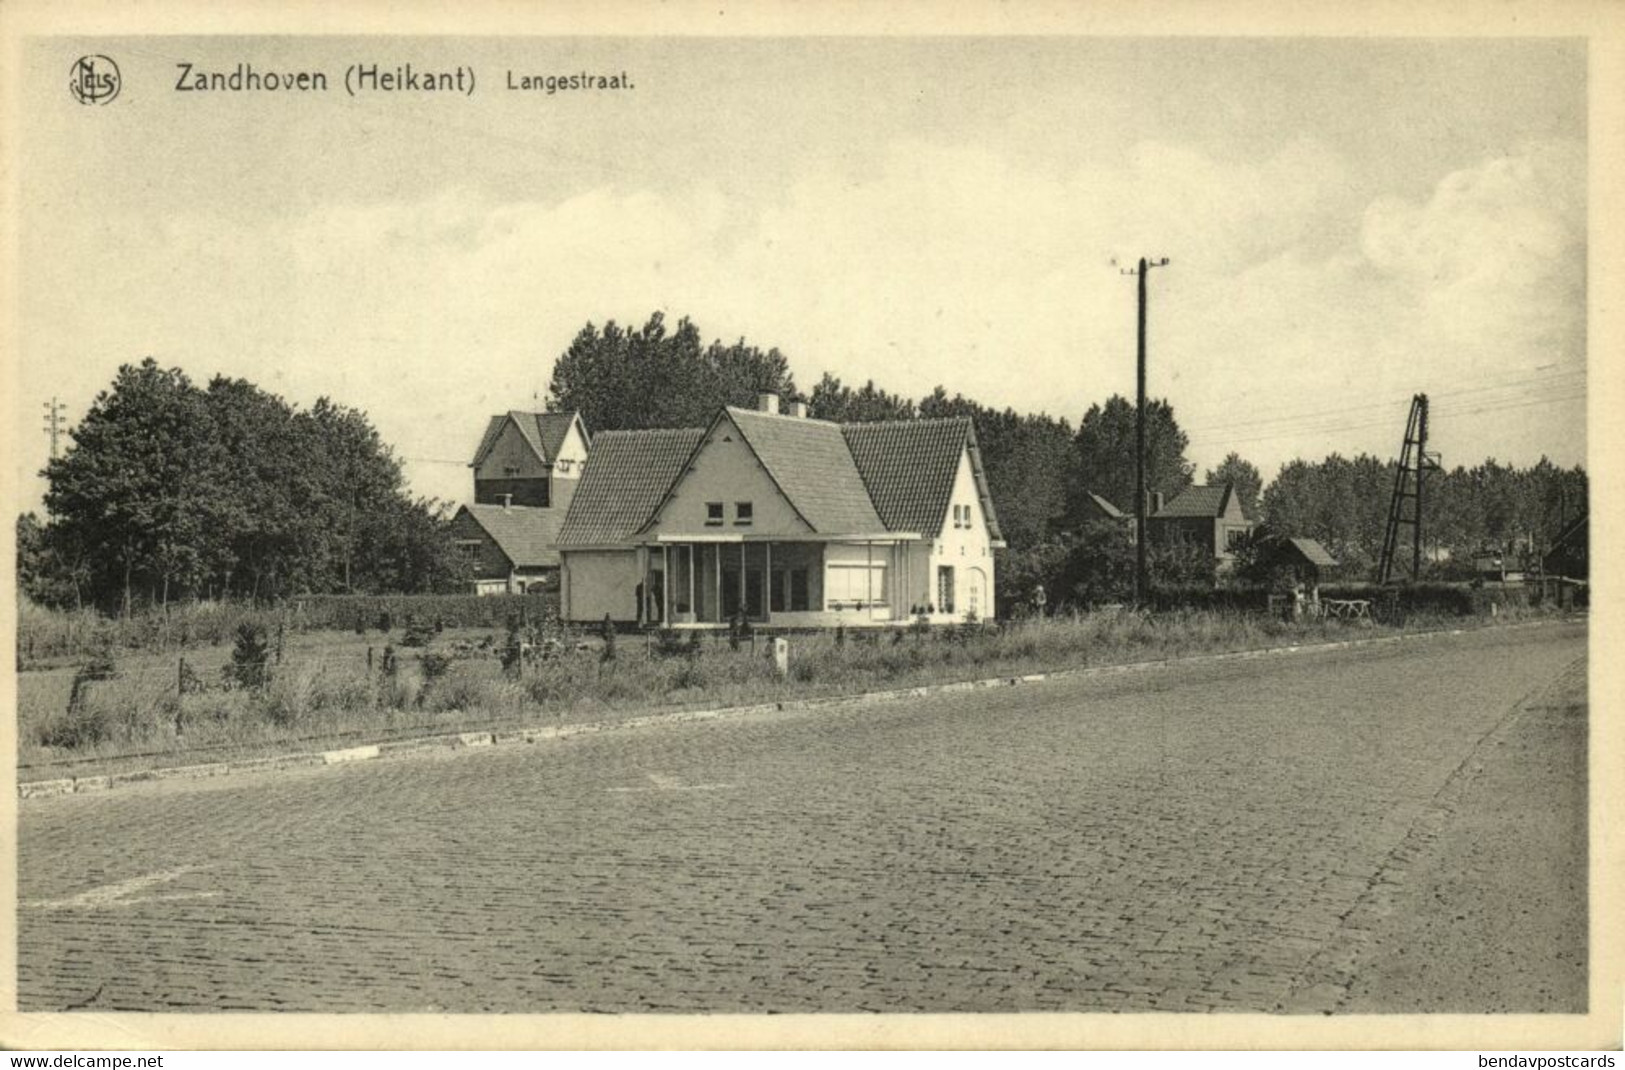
[(142, 717)]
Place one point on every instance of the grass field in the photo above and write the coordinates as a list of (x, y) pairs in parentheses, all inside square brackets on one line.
[(324, 689)]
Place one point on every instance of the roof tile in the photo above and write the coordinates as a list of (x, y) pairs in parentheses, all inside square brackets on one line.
[(909, 467), (811, 463), (543, 431), (1197, 501), (528, 535), (627, 475)]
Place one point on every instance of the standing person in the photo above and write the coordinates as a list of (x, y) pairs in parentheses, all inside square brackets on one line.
[(1039, 600)]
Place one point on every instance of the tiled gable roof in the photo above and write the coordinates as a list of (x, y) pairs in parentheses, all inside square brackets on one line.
[(1314, 552), (543, 431), (527, 535), (909, 467), (628, 474), (812, 465), (844, 479), (1208, 501), (551, 428), (493, 431)]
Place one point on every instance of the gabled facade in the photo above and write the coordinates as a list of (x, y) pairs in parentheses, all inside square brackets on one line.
[(530, 459), (1209, 517), (794, 521)]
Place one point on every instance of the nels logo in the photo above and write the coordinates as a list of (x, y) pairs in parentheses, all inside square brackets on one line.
[(95, 80)]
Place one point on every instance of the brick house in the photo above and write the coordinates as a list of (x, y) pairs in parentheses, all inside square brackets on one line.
[(797, 521), (511, 548), (530, 458), (1209, 516), (526, 470)]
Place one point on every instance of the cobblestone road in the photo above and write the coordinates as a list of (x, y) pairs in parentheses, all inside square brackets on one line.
[(1189, 838)]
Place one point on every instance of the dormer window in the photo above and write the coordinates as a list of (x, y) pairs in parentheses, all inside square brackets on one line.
[(713, 514), (744, 513), (510, 470)]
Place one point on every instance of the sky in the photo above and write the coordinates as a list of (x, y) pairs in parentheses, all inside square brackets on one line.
[(1348, 223)]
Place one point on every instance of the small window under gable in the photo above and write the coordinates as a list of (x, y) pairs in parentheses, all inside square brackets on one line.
[(744, 513), (713, 514)]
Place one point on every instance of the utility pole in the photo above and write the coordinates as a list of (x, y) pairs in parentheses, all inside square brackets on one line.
[(1142, 578), (53, 422)]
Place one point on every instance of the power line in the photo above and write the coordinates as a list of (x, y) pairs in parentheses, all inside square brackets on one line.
[(1517, 383), (1502, 405), (53, 422)]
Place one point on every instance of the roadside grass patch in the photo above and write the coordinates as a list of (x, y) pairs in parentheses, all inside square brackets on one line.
[(350, 689)]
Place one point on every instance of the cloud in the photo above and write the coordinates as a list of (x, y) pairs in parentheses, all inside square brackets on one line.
[(936, 264)]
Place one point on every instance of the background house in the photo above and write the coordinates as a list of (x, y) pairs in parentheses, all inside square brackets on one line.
[(511, 549), (526, 470), (1209, 517), (798, 522), (1569, 555), (530, 458)]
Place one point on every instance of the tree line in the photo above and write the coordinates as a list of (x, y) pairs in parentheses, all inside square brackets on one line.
[(1042, 470), (173, 491)]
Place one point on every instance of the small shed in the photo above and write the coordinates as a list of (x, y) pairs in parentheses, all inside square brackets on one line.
[(1308, 558)]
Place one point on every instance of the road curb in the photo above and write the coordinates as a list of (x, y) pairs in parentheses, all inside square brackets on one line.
[(466, 740)]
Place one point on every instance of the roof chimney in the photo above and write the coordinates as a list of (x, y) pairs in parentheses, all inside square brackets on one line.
[(798, 409), (1156, 502), (507, 501), (767, 402)]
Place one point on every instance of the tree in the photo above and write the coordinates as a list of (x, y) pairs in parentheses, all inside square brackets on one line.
[(833, 400), (1106, 453), (47, 572), (618, 378), (171, 491), (134, 487), (1248, 482)]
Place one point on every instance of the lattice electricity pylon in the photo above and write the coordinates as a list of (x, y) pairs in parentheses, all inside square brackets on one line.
[(1414, 463)]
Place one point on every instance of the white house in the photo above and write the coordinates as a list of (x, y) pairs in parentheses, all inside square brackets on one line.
[(800, 522)]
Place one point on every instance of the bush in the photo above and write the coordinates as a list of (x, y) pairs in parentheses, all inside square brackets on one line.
[(419, 632), (250, 658), (289, 698), (434, 666), (85, 724), (469, 686)]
